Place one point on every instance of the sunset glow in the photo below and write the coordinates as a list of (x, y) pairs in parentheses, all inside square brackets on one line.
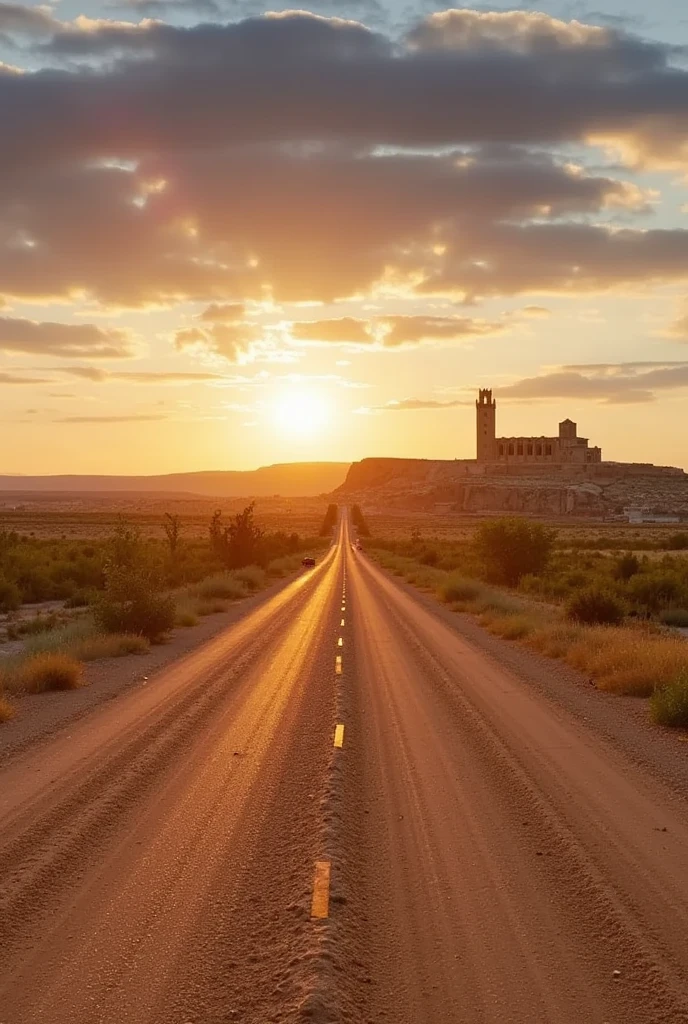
[(301, 414)]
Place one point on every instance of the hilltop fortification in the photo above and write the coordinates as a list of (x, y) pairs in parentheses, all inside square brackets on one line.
[(547, 475)]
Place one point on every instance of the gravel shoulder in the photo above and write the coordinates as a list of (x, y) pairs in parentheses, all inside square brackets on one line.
[(39, 717)]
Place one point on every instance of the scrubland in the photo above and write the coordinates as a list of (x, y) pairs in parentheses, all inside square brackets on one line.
[(65, 601), (610, 602)]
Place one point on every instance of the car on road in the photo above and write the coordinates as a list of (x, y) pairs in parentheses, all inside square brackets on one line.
[(308, 562)]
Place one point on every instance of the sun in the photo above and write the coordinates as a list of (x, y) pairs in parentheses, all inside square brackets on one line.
[(301, 413)]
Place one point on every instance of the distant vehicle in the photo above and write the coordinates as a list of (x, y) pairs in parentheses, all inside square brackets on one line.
[(308, 562), (358, 546)]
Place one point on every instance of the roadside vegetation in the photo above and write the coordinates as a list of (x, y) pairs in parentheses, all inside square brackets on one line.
[(614, 614), (118, 595)]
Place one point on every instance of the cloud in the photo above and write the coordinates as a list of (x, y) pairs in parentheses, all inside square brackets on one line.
[(394, 331), (461, 76), (232, 341), (616, 384), (414, 404), (157, 7), (17, 19), (97, 375), (217, 313), (56, 339), (15, 378), (328, 158), (111, 419)]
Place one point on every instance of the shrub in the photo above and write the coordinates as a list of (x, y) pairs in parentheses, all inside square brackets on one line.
[(512, 548), (10, 597), (251, 575), (222, 585), (669, 703), (655, 590), (109, 645), (511, 627), (676, 617), (6, 709), (677, 542), (629, 661), (133, 604), (456, 588), (627, 566), (79, 599), (45, 672), (38, 624), (595, 606), (60, 638), (186, 619)]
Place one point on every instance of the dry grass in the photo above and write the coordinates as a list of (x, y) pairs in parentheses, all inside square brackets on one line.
[(511, 627), (669, 704), (6, 709), (629, 661), (44, 672), (186, 619), (108, 645)]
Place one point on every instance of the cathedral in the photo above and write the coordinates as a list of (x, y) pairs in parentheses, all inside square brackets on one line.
[(567, 449)]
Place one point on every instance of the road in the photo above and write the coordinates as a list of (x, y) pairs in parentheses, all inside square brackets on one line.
[(339, 810)]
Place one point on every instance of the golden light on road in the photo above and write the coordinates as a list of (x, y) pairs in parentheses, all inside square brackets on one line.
[(301, 413)]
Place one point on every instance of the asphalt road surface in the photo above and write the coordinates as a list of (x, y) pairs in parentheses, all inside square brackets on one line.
[(340, 810)]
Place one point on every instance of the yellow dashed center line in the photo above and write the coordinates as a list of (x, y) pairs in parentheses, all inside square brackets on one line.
[(338, 665), (341, 623), (340, 642), (320, 907), (339, 735)]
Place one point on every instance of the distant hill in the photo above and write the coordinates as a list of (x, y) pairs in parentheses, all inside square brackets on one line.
[(290, 480)]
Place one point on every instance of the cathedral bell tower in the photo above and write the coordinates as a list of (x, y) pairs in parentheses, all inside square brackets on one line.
[(486, 425)]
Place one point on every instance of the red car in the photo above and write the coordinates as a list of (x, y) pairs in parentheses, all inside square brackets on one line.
[(308, 562)]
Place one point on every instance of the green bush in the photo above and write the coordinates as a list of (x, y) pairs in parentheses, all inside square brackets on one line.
[(627, 566), (652, 591), (251, 575), (222, 585), (456, 588), (676, 617), (132, 603), (10, 596), (595, 606), (669, 703), (512, 548)]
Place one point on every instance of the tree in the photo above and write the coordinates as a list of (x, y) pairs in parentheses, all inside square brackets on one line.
[(359, 521), (627, 566), (133, 603), (172, 526), (241, 542), (330, 521), (511, 548)]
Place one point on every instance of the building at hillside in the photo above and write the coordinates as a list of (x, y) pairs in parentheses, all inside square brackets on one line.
[(567, 449)]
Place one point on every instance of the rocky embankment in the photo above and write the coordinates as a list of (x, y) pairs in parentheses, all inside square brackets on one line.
[(466, 486)]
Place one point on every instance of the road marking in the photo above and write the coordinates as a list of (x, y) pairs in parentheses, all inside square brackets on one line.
[(320, 907), (339, 735), (338, 665), (340, 642), (341, 623)]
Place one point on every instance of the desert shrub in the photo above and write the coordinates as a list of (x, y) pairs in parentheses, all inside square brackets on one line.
[(10, 596), (629, 661), (79, 599), (252, 576), (595, 606), (676, 617), (627, 566), (185, 619), (677, 542), (45, 672), (556, 639), (222, 585), (511, 548), (511, 627), (430, 556), (456, 588), (6, 709), (669, 703), (38, 624), (132, 603), (60, 638), (652, 591), (108, 645)]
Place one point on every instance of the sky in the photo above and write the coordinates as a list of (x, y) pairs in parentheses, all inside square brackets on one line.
[(232, 236)]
